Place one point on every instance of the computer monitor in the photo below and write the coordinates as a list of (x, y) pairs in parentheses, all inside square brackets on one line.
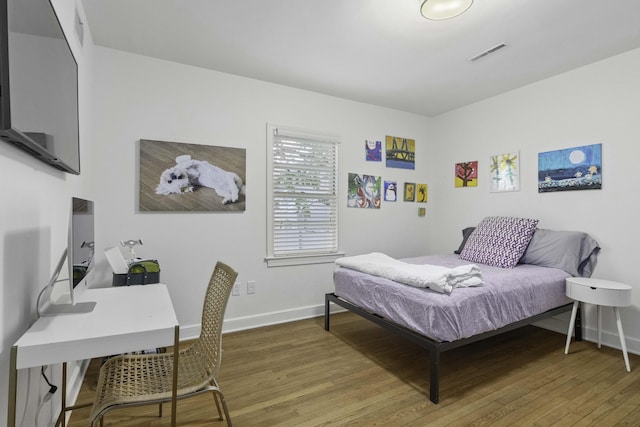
[(79, 258)]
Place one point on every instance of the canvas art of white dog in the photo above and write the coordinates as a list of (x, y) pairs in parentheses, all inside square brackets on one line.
[(189, 173)]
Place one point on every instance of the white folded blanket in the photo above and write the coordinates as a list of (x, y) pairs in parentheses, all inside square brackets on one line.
[(435, 277)]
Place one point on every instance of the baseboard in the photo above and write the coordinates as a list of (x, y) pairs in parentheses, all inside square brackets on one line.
[(609, 339), (259, 320)]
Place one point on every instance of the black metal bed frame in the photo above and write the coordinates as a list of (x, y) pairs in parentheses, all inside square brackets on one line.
[(436, 347)]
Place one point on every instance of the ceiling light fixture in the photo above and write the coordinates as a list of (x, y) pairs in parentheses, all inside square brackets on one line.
[(438, 10)]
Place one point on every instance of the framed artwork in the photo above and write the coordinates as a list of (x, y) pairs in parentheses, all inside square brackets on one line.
[(177, 176), (400, 152), (422, 211), (421, 193), (466, 174), (373, 150), (364, 191), (505, 172), (390, 191), (409, 191), (578, 168)]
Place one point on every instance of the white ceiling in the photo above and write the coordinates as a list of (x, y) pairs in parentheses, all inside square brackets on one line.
[(376, 51)]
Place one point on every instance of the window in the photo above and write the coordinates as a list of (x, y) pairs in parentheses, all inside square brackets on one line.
[(302, 197)]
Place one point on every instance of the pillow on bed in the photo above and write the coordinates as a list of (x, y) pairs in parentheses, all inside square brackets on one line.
[(465, 236), (572, 251), (499, 241)]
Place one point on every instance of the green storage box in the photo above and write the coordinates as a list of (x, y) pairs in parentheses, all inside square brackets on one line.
[(140, 273)]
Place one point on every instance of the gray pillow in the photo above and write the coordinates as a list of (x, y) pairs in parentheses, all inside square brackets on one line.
[(572, 251), (465, 235)]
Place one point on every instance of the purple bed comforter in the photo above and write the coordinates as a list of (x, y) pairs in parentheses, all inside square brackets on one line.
[(508, 295)]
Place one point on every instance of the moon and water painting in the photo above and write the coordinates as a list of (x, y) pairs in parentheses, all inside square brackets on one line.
[(578, 168)]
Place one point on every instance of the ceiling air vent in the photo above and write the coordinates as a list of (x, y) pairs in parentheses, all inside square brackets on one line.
[(488, 52)]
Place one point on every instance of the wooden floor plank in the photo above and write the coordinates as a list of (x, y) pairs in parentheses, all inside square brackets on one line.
[(358, 374)]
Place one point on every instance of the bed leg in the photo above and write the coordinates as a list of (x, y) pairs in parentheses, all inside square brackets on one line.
[(326, 312), (434, 381)]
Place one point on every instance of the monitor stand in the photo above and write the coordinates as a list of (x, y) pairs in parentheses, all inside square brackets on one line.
[(66, 306), (78, 308)]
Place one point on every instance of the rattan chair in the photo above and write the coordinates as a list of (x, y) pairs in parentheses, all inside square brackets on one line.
[(130, 380)]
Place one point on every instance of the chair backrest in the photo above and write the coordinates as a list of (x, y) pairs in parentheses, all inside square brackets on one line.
[(207, 350)]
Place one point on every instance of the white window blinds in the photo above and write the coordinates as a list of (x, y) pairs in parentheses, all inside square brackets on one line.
[(303, 210)]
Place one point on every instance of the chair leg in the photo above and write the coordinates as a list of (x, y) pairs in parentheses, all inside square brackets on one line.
[(215, 399), (224, 406), (160, 410)]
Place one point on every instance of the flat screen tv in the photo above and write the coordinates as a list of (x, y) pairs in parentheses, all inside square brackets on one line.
[(79, 259), (38, 84)]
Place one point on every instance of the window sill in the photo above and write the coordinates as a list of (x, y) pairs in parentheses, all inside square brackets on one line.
[(284, 261)]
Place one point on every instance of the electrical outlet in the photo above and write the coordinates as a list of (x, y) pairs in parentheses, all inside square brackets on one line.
[(236, 289), (251, 287)]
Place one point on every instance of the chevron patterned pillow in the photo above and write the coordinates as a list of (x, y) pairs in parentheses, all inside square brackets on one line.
[(499, 241)]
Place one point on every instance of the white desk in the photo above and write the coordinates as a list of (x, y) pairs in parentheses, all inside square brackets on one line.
[(125, 319)]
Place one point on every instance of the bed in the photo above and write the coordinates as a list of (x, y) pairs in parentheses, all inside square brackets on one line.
[(522, 287)]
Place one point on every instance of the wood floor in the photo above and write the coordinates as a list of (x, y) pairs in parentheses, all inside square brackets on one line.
[(297, 374)]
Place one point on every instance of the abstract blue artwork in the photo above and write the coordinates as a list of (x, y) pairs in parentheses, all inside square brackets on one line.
[(578, 168), (374, 150)]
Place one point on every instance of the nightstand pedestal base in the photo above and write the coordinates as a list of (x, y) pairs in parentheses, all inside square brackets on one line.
[(599, 292)]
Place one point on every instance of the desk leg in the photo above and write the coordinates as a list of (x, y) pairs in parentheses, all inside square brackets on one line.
[(599, 326), (174, 391), (64, 394), (623, 342), (572, 323), (13, 384), (62, 416)]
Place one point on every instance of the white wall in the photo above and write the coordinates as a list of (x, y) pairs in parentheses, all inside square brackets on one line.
[(34, 216), (594, 104), (138, 97), (127, 97)]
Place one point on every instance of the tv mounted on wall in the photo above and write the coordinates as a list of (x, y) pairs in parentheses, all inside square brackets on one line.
[(38, 84)]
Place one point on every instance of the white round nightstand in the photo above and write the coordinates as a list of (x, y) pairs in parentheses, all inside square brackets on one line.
[(599, 292)]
